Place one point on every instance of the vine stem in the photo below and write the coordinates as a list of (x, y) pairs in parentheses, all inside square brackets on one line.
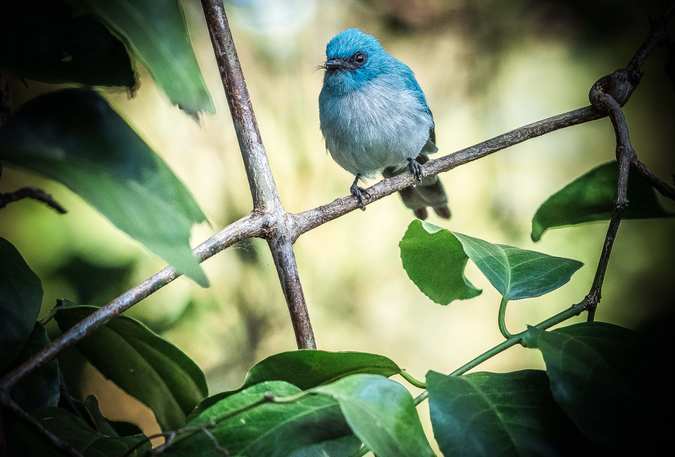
[(513, 340), (501, 319)]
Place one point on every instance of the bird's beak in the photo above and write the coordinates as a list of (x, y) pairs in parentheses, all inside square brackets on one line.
[(334, 64)]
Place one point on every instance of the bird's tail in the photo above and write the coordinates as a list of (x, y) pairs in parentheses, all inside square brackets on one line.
[(427, 194)]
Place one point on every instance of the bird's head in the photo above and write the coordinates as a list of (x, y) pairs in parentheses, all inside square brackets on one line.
[(353, 58)]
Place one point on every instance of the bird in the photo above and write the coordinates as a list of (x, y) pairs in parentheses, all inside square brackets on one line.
[(374, 118)]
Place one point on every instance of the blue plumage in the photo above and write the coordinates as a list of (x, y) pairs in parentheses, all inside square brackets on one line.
[(375, 118)]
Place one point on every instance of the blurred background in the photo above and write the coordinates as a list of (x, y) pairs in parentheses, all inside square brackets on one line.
[(486, 67)]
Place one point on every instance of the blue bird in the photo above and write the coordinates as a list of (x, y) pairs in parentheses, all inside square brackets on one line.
[(375, 119)]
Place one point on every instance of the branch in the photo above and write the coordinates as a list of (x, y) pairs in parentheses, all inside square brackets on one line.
[(261, 224), (59, 443), (247, 227), (260, 179), (31, 192), (310, 219)]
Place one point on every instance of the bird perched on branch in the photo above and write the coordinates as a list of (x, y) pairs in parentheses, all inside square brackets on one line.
[(375, 119)]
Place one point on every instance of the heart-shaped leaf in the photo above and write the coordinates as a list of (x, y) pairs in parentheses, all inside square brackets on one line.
[(518, 273), (20, 301), (268, 429), (434, 260), (74, 137), (155, 31), (592, 196), (142, 364), (591, 368), (310, 368), (381, 413), (500, 414)]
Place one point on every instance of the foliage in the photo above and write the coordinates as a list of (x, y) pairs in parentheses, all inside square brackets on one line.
[(591, 198), (298, 403)]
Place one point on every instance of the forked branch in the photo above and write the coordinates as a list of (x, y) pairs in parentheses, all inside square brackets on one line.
[(268, 219)]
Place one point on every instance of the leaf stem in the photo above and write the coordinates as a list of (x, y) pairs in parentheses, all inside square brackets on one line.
[(501, 319), (562, 316), (412, 380)]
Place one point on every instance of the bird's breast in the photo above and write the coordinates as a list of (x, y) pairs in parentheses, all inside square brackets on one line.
[(376, 126)]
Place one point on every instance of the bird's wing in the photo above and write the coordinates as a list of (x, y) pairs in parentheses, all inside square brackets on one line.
[(412, 85)]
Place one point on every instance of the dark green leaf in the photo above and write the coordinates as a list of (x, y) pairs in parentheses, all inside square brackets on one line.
[(591, 370), (499, 414), (309, 368), (75, 431), (435, 262), (518, 273), (74, 137), (46, 42), (155, 31), (265, 430), (142, 364), (20, 301), (381, 413), (347, 446), (40, 388), (591, 197), (96, 418)]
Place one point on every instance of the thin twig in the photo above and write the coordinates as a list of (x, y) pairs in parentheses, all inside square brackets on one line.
[(604, 101), (31, 192), (247, 227), (513, 340), (657, 183), (59, 443)]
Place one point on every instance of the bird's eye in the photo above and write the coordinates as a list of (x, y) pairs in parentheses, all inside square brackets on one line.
[(359, 58)]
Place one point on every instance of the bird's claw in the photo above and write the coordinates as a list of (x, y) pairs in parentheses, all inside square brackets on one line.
[(416, 170), (361, 195)]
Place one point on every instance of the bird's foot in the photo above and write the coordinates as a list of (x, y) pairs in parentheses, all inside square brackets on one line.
[(360, 193), (416, 170)]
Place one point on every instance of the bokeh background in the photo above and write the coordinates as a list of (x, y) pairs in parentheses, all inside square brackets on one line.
[(486, 67)]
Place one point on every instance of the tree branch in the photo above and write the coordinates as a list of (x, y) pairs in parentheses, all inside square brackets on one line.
[(260, 179), (247, 227), (59, 443), (310, 219), (270, 224)]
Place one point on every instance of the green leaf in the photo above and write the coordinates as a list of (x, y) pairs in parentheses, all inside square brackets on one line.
[(309, 368), (518, 273), (74, 137), (265, 430), (20, 301), (434, 260), (347, 446), (100, 423), (499, 414), (47, 43), (592, 196), (381, 413), (142, 364), (40, 389), (591, 370), (156, 32), (75, 431)]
